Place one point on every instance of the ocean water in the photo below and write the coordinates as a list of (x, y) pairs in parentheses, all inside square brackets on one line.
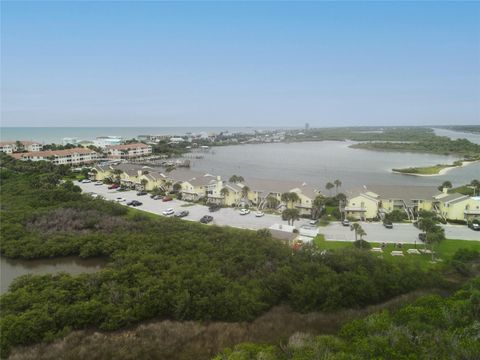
[(49, 135)]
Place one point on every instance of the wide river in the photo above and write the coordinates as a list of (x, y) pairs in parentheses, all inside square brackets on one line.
[(322, 161), (12, 268)]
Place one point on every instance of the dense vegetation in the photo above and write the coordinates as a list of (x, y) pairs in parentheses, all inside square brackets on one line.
[(432, 144), (430, 328), (162, 268), (475, 129)]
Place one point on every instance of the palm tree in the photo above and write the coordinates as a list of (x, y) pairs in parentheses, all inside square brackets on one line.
[(224, 192), (177, 187), (245, 191), (317, 206), (117, 173), (290, 197), (291, 215), (236, 179), (433, 232), (445, 184), (337, 183), (475, 184), (329, 186), (272, 202), (358, 230)]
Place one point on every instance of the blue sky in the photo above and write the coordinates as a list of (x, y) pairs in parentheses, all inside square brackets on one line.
[(240, 63)]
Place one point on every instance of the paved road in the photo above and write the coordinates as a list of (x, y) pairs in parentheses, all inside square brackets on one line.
[(401, 233), (223, 217), (376, 232)]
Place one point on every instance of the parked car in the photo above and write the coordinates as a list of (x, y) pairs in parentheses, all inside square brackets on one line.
[(182, 213), (214, 208), (113, 187), (346, 222), (313, 222), (134, 203), (388, 224), (474, 226), (244, 212), (156, 197), (141, 193), (98, 183), (120, 199), (167, 198), (259, 214), (168, 212), (86, 181), (206, 219), (422, 237)]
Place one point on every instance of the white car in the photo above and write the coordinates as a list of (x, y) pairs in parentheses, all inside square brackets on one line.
[(244, 212), (99, 183), (168, 212), (259, 213), (86, 181), (120, 199)]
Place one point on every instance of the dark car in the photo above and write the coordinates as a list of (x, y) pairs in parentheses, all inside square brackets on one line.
[(141, 193), (422, 237), (214, 208), (182, 213), (167, 198), (134, 203), (388, 224), (206, 219), (113, 186), (474, 226)]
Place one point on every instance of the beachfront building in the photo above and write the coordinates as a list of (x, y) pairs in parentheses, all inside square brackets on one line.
[(104, 141), (10, 147), (128, 151), (74, 156), (261, 190), (457, 207), (375, 201)]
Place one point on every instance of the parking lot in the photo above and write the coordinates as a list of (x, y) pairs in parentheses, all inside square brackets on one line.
[(376, 232), (222, 217)]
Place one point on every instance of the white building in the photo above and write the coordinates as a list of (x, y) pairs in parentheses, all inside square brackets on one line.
[(10, 147), (67, 157), (128, 151), (104, 141), (70, 140)]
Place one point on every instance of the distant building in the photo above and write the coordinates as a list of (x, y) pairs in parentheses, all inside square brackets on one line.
[(58, 157), (104, 141), (307, 126), (153, 138), (128, 151), (176, 140), (70, 140), (10, 147)]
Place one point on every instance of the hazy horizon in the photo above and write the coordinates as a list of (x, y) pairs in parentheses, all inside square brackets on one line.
[(232, 64)]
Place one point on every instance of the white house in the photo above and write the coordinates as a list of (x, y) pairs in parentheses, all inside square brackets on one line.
[(128, 151)]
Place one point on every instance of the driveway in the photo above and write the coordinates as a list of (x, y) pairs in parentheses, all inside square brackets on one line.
[(222, 217), (401, 233)]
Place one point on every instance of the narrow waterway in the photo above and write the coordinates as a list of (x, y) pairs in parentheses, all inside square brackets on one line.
[(13, 268)]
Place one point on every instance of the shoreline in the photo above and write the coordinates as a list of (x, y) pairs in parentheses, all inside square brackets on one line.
[(441, 171)]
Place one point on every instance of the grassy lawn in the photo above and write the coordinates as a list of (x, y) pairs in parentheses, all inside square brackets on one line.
[(444, 251), (427, 170)]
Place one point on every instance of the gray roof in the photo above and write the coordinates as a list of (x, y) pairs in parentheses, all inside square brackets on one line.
[(402, 192), (276, 186), (453, 198)]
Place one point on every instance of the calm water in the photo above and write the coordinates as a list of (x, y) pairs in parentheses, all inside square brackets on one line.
[(10, 269), (319, 162), (474, 138)]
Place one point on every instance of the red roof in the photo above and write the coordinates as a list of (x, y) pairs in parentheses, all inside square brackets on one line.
[(128, 146), (48, 153)]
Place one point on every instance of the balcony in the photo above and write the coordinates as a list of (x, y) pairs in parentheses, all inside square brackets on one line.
[(355, 208)]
